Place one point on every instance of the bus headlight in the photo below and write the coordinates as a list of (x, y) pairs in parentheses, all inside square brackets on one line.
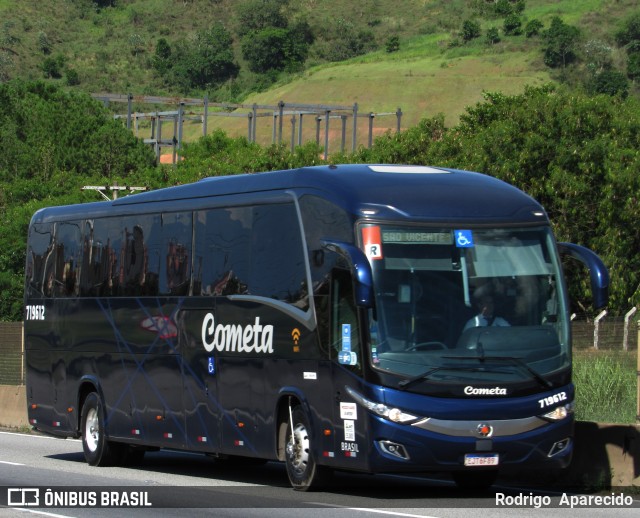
[(392, 414), (559, 413)]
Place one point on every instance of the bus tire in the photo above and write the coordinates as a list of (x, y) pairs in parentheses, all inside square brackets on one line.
[(302, 470), (97, 450)]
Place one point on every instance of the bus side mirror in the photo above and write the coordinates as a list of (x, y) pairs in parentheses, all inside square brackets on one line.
[(360, 269), (597, 271)]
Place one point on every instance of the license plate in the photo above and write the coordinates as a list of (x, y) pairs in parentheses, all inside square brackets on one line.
[(474, 459)]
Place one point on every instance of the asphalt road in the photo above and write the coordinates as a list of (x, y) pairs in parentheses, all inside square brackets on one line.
[(182, 484)]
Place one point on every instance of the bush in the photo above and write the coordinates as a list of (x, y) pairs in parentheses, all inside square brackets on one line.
[(533, 28), (470, 30), (605, 386), (393, 44), (493, 36), (610, 82), (512, 25)]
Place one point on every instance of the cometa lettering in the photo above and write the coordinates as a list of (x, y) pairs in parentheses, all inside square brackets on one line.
[(252, 338), (495, 391)]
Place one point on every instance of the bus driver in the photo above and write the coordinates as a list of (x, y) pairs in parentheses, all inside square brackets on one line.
[(486, 316)]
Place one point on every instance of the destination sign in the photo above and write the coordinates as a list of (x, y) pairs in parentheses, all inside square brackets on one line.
[(413, 237)]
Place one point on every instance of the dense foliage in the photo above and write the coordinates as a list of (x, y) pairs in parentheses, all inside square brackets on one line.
[(578, 154)]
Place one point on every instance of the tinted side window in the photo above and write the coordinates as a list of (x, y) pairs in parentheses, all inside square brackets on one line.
[(251, 250), (39, 269), (277, 258), (171, 261), (222, 251), (104, 261), (68, 258)]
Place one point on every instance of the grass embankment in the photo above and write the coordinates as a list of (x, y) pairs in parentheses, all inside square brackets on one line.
[(606, 386)]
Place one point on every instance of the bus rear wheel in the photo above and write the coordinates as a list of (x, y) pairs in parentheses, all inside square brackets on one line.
[(303, 472), (97, 450)]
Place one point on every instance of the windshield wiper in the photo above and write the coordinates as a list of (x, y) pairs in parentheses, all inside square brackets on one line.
[(513, 359), (404, 384)]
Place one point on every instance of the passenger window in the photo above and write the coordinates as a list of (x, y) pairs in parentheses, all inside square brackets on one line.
[(222, 251), (175, 249), (39, 271), (68, 255), (277, 259)]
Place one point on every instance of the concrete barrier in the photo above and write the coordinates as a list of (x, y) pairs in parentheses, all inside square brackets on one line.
[(13, 406), (606, 455)]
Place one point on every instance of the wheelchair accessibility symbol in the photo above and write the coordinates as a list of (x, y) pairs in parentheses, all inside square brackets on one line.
[(464, 238)]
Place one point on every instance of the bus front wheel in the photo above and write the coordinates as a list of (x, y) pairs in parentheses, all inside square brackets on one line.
[(302, 469), (97, 450)]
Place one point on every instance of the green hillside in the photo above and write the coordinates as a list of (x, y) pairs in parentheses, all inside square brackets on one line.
[(111, 45)]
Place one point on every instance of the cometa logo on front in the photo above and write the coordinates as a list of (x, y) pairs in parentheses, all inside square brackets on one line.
[(254, 338), (494, 391)]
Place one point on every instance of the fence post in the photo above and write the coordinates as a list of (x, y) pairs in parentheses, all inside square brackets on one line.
[(625, 337), (254, 122), (398, 119), (300, 129), (355, 127), (596, 328), (280, 121), (371, 117), (326, 134), (129, 108), (206, 116)]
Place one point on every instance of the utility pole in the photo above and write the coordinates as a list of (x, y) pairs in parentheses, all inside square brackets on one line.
[(113, 188)]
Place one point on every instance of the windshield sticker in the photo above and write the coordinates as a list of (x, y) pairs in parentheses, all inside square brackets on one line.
[(346, 337), (346, 356), (464, 239), (372, 240)]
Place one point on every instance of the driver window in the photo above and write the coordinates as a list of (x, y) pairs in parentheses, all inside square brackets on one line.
[(345, 332)]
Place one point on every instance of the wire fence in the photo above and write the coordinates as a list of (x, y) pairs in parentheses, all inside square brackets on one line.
[(609, 334), (12, 354)]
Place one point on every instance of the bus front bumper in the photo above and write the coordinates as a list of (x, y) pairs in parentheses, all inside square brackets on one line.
[(510, 445)]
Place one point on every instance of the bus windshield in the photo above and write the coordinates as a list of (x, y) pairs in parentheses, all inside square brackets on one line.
[(466, 305)]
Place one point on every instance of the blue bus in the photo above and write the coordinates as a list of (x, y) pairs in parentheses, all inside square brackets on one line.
[(371, 318)]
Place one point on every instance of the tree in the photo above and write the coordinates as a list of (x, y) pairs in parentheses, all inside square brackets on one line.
[(629, 33), (633, 66), (533, 28), (493, 36), (512, 25), (161, 60), (610, 82), (266, 49), (503, 8), (43, 43), (206, 61), (53, 66), (561, 41), (255, 15), (470, 30)]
